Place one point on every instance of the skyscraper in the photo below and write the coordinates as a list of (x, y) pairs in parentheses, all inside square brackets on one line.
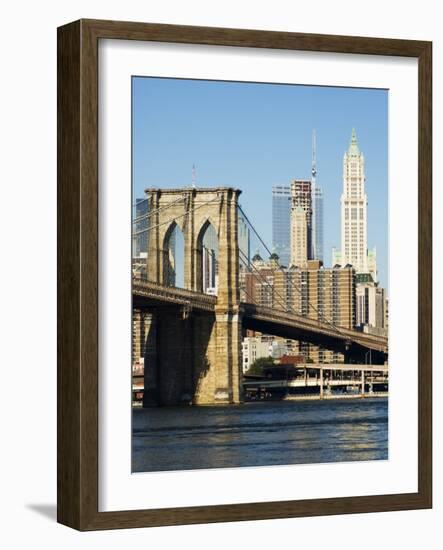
[(317, 223), (317, 207), (354, 201), (244, 240), (140, 237), (281, 222), (301, 222), (210, 261), (299, 237), (140, 225)]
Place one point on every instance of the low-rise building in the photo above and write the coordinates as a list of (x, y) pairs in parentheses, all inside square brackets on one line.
[(253, 348), (371, 314)]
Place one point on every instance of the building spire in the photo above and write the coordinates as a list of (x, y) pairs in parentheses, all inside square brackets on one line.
[(353, 136), (353, 144)]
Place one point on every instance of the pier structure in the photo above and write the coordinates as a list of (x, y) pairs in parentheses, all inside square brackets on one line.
[(321, 381)]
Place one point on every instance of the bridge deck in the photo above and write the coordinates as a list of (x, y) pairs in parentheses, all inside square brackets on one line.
[(262, 319)]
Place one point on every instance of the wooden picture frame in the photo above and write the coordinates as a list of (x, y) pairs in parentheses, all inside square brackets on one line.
[(78, 273)]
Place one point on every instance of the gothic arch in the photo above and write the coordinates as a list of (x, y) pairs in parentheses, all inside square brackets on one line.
[(206, 257), (173, 256)]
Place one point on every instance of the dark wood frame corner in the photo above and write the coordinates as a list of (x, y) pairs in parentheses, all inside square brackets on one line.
[(78, 282)]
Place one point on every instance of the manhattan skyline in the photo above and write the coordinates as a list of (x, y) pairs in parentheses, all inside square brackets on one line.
[(253, 136)]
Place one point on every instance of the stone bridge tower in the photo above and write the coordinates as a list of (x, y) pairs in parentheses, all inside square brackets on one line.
[(194, 357)]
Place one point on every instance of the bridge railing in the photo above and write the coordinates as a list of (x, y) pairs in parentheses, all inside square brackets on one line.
[(152, 288)]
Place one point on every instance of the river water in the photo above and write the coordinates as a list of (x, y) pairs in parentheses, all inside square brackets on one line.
[(259, 434)]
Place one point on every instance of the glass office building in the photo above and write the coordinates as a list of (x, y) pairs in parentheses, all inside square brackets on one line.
[(281, 222), (139, 228), (317, 252)]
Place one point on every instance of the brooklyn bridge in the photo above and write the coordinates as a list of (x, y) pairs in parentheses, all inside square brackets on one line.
[(191, 339)]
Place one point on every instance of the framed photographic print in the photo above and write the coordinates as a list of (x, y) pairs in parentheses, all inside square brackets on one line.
[(244, 274)]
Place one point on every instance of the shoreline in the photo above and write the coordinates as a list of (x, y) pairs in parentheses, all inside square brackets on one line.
[(375, 395)]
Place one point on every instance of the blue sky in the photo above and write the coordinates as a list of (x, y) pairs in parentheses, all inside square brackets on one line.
[(253, 136)]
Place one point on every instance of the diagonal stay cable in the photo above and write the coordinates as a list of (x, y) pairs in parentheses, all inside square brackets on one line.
[(250, 297), (321, 317), (263, 280), (176, 217), (159, 209)]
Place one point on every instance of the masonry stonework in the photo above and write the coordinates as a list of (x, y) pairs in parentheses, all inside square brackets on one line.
[(197, 357)]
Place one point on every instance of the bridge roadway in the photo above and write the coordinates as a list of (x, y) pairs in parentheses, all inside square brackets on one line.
[(259, 318)]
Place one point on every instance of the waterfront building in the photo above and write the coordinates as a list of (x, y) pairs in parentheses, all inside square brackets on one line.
[(281, 216), (354, 202), (279, 347), (370, 306), (253, 348)]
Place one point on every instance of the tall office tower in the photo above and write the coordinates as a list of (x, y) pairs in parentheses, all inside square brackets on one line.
[(140, 237), (140, 224), (210, 271), (244, 240), (210, 261), (317, 252), (299, 237), (354, 201), (301, 199), (317, 207), (281, 222)]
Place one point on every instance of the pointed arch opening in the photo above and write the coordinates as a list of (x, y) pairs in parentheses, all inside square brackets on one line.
[(174, 257), (207, 259)]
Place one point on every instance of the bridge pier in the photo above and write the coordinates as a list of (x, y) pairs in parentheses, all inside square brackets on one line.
[(192, 358), (228, 387), (198, 356)]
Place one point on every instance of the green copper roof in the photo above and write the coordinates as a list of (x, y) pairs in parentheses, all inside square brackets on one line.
[(353, 145)]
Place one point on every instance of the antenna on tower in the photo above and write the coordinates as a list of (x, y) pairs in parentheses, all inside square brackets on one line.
[(314, 155), (313, 251), (194, 176)]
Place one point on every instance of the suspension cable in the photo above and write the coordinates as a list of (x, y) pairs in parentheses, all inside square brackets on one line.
[(159, 209), (176, 217), (264, 281), (320, 315)]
